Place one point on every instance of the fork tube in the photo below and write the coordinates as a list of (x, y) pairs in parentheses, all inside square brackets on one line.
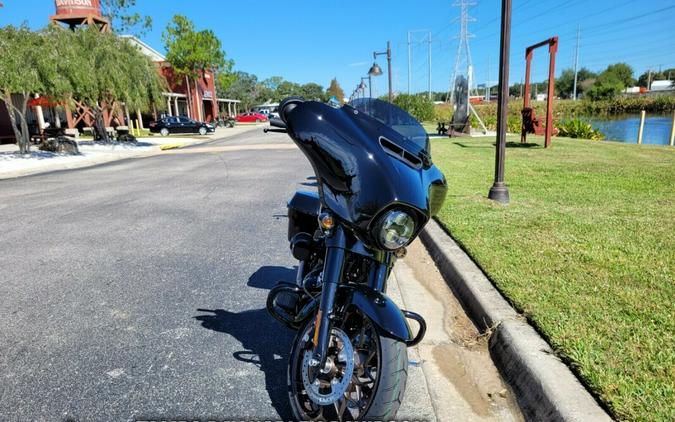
[(300, 275), (332, 274), (381, 273)]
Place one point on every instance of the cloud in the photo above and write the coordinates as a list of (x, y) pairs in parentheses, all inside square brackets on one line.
[(358, 64)]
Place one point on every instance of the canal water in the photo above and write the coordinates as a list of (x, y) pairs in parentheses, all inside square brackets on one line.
[(624, 128)]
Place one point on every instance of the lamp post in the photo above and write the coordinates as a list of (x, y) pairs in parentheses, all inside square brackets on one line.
[(499, 191), (376, 70), (362, 86)]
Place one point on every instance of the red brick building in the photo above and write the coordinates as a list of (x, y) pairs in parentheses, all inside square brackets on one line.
[(195, 99)]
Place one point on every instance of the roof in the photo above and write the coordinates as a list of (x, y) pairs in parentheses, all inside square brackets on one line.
[(267, 105), (153, 54), (662, 85)]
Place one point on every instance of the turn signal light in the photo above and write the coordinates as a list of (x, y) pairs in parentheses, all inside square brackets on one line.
[(401, 252), (326, 221)]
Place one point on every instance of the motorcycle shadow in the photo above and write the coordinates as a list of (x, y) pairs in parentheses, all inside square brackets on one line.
[(265, 342)]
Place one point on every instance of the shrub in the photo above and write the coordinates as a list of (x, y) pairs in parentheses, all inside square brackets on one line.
[(577, 128), (419, 106), (443, 112)]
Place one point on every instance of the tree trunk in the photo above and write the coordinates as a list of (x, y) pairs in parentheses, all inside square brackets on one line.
[(100, 134), (21, 129), (24, 125)]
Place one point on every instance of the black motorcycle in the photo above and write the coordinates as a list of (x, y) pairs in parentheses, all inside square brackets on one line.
[(377, 188)]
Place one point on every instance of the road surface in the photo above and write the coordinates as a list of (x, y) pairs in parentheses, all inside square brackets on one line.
[(135, 290)]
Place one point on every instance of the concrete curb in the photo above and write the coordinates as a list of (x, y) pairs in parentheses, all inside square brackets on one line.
[(546, 389)]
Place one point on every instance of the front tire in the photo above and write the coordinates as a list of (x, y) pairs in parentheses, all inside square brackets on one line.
[(378, 382), (202, 131), (164, 132)]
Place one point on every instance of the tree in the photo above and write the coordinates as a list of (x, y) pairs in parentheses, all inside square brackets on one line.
[(192, 53), (273, 82), (123, 20), (419, 106), (564, 85), (623, 72), (607, 86), (245, 88), (21, 72), (288, 89), (223, 82), (313, 91), (335, 90), (516, 90), (104, 70)]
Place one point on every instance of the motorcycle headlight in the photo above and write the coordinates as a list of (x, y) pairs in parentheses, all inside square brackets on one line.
[(395, 229)]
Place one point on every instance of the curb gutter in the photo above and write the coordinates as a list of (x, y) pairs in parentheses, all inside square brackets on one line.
[(544, 386)]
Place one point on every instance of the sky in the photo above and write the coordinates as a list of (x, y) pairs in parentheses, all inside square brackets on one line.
[(314, 41)]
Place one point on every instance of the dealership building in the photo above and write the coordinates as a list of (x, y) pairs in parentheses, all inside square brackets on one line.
[(195, 99)]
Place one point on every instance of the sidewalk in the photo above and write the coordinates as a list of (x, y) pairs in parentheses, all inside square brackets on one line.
[(13, 165)]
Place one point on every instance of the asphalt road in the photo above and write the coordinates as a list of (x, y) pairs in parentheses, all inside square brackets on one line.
[(136, 289)]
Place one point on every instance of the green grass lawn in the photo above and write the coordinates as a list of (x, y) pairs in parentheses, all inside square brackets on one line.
[(586, 250)]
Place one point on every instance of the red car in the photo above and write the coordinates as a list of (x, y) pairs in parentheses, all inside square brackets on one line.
[(251, 117)]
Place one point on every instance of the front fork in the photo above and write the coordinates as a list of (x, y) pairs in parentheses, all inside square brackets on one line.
[(336, 244)]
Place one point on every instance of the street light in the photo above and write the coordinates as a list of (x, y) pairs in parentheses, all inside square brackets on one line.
[(376, 70), (362, 86), (499, 191)]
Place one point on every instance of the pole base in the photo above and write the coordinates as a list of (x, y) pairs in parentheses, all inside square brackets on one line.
[(500, 193)]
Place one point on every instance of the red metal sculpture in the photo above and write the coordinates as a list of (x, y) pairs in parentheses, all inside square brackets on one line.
[(531, 124)]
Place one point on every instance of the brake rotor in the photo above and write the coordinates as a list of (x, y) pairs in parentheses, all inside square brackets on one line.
[(339, 368)]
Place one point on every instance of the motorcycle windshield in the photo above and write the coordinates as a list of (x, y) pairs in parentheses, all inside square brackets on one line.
[(395, 118)]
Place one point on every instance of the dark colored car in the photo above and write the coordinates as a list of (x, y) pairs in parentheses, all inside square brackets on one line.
[(181, 124)]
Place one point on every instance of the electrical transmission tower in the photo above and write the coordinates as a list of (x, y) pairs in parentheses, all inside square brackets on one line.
[(463, 51)]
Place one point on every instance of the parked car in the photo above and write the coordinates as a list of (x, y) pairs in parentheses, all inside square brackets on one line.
[(270, 112), (251, 117), (182, 124)]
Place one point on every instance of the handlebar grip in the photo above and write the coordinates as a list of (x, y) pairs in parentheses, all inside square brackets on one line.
[(277, 122)]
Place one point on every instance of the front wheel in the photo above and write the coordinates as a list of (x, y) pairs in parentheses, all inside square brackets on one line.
[(164, 132), (364, 377), (202, 131)]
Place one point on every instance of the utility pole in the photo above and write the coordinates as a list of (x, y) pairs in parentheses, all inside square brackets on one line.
[(410, 43), (463, 51), (429, 65), (576, 63), (649, 79), (487, 81), (409, 60)]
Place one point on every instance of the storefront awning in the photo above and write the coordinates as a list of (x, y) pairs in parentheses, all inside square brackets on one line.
[(42, 102)]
